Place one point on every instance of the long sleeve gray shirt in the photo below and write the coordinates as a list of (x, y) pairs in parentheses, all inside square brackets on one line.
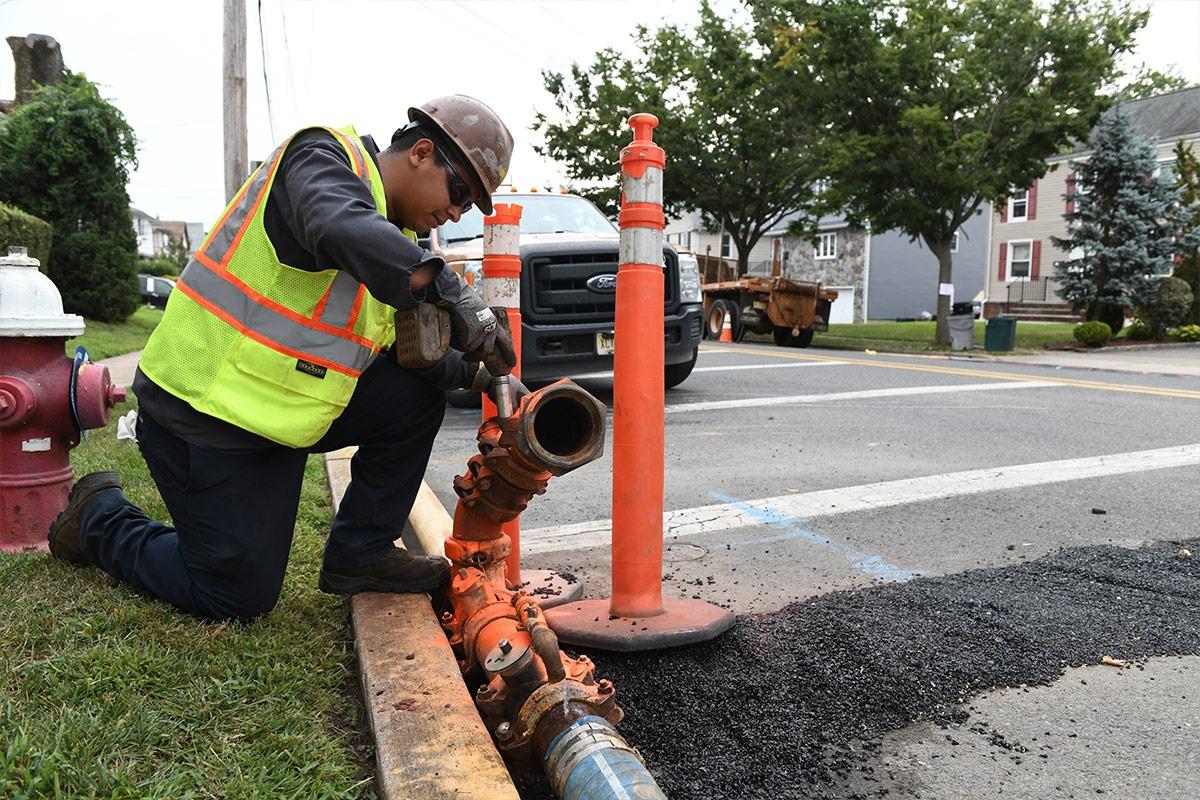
[(320, 215)]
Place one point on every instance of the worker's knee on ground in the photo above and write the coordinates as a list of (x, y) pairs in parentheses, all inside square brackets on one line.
[(246, 605)]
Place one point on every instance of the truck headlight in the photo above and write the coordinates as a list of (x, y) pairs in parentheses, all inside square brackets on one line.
[(689, 279)]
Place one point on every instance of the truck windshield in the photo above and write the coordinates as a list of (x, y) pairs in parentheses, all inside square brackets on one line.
[(551, 213)]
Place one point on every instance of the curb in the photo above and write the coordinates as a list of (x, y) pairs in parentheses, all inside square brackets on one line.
[(430, 743)]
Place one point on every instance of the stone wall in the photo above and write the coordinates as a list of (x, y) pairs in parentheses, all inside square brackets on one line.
[(846, 269)]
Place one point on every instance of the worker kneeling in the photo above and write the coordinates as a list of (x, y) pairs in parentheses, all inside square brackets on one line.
[(276, 344)]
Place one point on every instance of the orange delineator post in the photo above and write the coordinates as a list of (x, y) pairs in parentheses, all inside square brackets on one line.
[(638, 443), (638, 435), (501, 289)]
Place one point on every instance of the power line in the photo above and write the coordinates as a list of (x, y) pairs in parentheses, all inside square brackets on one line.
[(287, 49), (262, 45)]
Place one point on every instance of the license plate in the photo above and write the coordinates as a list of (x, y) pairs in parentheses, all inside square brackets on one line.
[(605, 343)]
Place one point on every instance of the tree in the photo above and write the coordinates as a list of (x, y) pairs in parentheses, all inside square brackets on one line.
[(936, 108), (177, 253), (65, 156), (1149, 82), (1187, 181), (1126, 228), (732, 152)]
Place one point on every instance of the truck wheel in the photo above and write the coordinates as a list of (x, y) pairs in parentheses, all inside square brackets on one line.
[(804, 339), (783, 336), (715, 319), (675, 374)]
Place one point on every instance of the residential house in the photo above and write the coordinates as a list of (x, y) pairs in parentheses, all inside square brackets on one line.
[(154, 234), (878, 276), (1021, 257)]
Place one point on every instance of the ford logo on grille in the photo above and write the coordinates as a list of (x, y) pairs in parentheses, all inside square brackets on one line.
[(603, 284)]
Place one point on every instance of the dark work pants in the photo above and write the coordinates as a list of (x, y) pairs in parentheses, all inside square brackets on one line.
[(234, 513)]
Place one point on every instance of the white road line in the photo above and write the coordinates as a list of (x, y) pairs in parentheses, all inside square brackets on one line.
[(751, 402), (775, 510), (731, 367)]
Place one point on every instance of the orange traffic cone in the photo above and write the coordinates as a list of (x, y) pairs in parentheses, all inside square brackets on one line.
[(726, 330)]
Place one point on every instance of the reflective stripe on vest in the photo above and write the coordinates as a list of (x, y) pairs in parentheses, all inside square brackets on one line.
[(327, 338)]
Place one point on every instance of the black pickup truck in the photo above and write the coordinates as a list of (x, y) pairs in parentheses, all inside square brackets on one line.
[(568, 286)]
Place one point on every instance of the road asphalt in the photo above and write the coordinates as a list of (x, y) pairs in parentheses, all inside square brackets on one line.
[(891, 531)]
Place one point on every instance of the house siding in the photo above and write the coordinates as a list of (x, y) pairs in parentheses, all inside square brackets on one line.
[(904, 274)]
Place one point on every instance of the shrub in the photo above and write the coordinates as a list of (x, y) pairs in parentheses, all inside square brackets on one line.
[(158, 266), (1093, 334), (1185, 333), (1137, 329), (25, 230), (1170, 306), (65, 155)]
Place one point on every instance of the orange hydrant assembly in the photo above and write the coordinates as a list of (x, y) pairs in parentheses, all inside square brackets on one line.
[(539, 704)]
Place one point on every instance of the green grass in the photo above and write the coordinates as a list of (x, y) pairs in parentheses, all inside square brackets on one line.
[(919, 336), (107, 339), (108, 693)]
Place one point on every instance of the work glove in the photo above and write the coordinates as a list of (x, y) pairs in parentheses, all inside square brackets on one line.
[(485, 383), (475, 331)]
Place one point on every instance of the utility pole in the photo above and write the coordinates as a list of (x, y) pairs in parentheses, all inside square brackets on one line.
[(236, 158)]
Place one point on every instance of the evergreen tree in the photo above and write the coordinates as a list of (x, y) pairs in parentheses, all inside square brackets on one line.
[(1187, 180), (65, 155), (1126, 227)]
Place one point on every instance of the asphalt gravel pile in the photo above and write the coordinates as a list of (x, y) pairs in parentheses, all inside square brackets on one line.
[(788, 704)]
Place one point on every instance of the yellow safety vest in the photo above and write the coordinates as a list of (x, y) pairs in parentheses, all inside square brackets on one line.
[(273, 349)]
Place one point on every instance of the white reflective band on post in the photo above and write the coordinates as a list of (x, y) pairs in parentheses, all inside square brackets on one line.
[(641, 246), (502, 292), (501, 240), (646, 189)]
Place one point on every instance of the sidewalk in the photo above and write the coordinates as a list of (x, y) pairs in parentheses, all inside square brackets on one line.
[(121, 368), (1182, 360)]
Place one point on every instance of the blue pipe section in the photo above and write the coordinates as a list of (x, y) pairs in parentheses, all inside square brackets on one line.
[(591, 761)]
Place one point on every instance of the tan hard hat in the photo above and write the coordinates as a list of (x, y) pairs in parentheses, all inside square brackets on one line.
[(482, 139)]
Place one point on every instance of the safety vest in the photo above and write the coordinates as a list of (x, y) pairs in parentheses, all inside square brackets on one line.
[(273, 349)]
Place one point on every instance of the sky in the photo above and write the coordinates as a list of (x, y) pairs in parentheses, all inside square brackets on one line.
[(365, 62)]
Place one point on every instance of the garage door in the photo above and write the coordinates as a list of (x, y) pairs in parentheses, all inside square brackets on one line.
[(843, 308)]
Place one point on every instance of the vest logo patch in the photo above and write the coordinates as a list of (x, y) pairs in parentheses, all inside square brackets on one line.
[(309, 368)]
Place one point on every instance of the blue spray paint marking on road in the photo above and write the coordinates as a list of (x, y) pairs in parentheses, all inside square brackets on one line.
[(792, 528)]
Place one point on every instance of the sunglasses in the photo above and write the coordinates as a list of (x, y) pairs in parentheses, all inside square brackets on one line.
[(460, 193)]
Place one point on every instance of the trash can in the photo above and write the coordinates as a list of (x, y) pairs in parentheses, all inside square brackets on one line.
[(1000, 334), (962, 331)]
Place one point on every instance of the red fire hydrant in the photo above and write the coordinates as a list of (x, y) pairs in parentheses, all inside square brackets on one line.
[(46, 399)]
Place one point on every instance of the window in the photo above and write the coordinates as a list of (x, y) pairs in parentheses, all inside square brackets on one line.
[(826, 246), (1018, 206), (1020, 257), (954, 243), (726, 246), (687, 240)]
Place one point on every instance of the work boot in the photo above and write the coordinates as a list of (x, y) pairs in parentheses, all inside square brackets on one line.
[(399, 571), (63, 535)]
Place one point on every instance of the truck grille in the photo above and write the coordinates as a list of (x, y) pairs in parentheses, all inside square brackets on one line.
[(558, 291)]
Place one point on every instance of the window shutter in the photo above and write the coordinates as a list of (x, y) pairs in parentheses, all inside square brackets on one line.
[(1070, 192), (1004, 209), (1031, 204), (1003, 258), (1036, 260)]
